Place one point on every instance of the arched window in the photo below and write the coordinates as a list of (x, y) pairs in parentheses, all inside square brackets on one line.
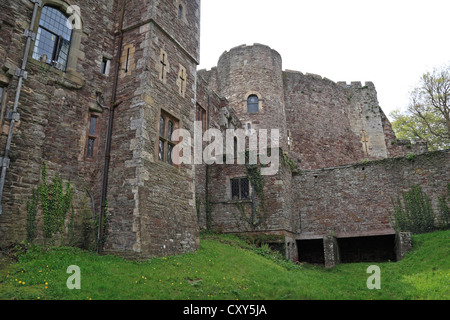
[(253, 104), (53, 38), (180, 11)]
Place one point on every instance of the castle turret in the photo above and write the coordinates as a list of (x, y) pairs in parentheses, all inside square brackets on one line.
[(250, 77)]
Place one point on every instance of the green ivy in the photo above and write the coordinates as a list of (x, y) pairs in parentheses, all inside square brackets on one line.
[(55, 202), (102, 240), (256, 180), (444, 210), (31, 207), (414, 213)]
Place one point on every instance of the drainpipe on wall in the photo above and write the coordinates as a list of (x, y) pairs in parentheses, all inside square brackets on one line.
[(13, 115), (114, 104)]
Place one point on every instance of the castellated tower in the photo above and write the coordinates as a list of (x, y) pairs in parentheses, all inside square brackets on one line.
[(251, 79), (151, 199)]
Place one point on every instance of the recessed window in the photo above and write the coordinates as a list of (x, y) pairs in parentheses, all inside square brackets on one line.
[(240, 189), (167, 125), (92, 141), (253, 104), (180, 11), (53, 38), (201, 117), (104, 67)]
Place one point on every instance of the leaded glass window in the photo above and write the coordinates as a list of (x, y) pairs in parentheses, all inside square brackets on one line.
[(201, 116), (92, 139), (167, 125), (161, 150), (53, 38), (253, 104), (240, 189)]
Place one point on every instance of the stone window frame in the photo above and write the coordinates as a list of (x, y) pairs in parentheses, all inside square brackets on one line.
[(181, 5), (199, 110), (54, 26), (70, 74), (95, 136), (164, 138), (230, 186), (106, 64), (260, 102)]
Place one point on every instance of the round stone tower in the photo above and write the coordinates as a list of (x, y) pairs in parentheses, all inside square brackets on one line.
[(251, 78)]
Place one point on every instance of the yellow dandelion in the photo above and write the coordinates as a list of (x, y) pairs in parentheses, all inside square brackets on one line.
[(20, 281)]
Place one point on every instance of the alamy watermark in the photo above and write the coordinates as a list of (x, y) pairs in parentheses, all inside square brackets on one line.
[(237, 146), (374, 281), (74, 281)]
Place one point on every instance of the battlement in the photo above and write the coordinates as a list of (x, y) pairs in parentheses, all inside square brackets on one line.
[(309, 75), (356, 85), (256, 46)]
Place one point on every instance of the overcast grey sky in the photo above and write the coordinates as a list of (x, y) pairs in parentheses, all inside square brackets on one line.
[(389, 42)]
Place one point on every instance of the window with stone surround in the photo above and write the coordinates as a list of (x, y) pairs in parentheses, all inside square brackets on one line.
[(240, 189), (167, 125), (105, 66), (53, 38), (253, 104), (92, 137), (201, 117), (180, 11), (67, 52)]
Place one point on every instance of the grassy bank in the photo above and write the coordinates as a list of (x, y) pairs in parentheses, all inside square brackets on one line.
[(226, 268)]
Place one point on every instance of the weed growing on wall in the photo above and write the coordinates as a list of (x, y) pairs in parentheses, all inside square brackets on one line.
[(444, 210), (415, 213), (31, 215), (55, 203)]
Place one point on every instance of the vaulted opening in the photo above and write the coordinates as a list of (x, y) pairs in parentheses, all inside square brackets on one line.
[(311, 251), (367, 249)]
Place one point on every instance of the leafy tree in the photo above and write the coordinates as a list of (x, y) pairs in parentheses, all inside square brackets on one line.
[(428, 114)]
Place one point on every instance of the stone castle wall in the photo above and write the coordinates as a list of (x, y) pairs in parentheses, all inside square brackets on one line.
[(317, 116), (54, 109), (356, 200), (151, 204)]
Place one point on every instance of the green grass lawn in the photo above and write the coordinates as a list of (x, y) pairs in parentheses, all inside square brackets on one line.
[(226, 268)]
